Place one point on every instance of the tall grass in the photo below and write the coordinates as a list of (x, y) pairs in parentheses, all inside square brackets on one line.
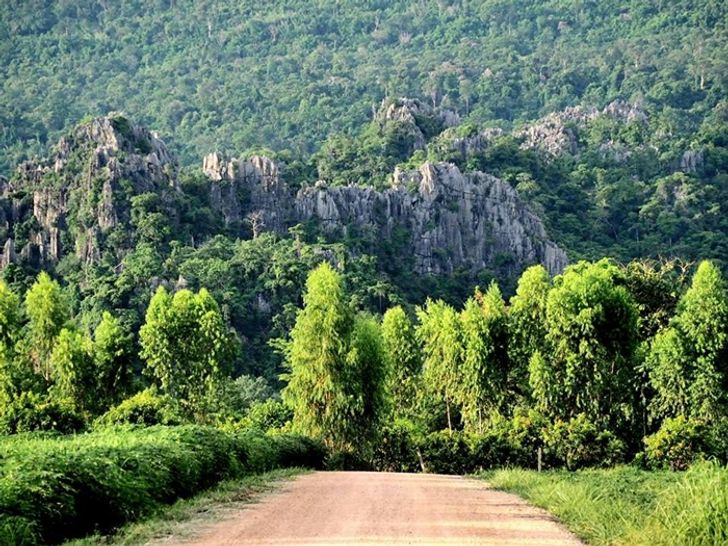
[(54, 488), (628, 506)]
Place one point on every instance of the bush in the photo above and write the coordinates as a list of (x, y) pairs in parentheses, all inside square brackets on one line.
[(446, 452), (268, 415), (580, 443), (52, 489), (32, 412), (396, 449), (497, 447), (347, 460), (677, 444), (144, 408)]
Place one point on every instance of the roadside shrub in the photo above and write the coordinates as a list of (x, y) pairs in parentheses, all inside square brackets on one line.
[(396, 448), (694, 510), (446, 452), (33, 412), (677, 444), (347, 460), (497, 447), (144, 408), (55, 488), (579, 443), (268, 415)]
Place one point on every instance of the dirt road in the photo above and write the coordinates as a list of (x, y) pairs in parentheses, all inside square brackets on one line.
[(363, 508)]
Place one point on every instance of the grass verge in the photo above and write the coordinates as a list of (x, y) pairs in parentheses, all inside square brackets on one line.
[(185, 517), (629, 506)]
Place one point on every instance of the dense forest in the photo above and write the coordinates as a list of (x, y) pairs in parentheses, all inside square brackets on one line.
[(438, 236)]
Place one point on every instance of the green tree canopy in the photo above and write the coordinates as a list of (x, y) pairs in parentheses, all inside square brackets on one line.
[(47, 312), (588, 366), (403, 361), (186, 344), (687, 360)]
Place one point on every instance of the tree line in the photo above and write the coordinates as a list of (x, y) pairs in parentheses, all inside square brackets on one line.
[(603, 357)]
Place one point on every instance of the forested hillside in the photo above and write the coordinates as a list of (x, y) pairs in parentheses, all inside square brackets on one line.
[(235, 75)]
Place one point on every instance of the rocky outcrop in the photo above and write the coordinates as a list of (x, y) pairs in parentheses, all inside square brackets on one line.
[(249, 190), (470, 221), (556, 134), (91, 176), (418, 117)]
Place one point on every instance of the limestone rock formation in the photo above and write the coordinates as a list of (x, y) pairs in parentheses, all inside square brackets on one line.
[(556, 133), (470, 221), (249, 190), (415, 115), (91, 175)]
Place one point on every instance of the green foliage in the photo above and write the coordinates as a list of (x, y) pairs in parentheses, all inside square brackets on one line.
[(484, 384), (403, 361), (187, 347), (243, 393), (527, 322), (316, 389), (59, 488), (686, 361), (396, 449), (72, 369), (531, 58), (337, 369), (267, 415), (677, 444), (30, 412), (579, 443), (113, 354), (588, 367), (446, 452), (625, 505), (147, 408), (439, 335), (47, 313)]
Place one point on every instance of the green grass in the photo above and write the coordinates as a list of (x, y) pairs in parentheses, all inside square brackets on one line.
[(628, 506), (185, 516)]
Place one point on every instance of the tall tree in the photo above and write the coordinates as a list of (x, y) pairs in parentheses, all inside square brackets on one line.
[(71, 363), (403, 361), (9, 332), (47, 312), (527, 322), (325, 385), (484, 384), (588, 366), (112, 349), (439, 334), (366, 367), (687, 360), (186, 344)]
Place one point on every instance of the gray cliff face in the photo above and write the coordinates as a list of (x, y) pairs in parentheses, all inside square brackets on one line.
[(91, 175), (470, 221), (249, 190), (473, 221)]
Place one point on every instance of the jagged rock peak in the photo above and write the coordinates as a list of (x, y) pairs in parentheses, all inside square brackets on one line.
[(260, 178), (555, 134), (90, 175), (406, 110), (257, 168), (418, 116)]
